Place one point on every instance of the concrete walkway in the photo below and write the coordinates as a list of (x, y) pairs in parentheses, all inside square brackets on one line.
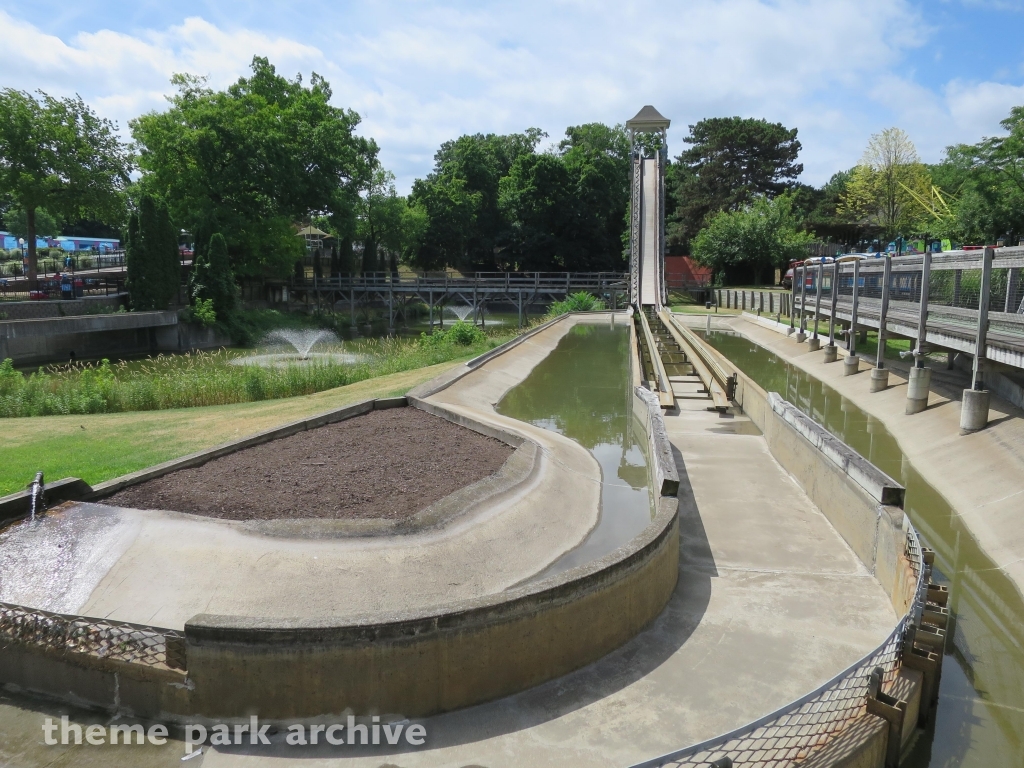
[(980, 475)]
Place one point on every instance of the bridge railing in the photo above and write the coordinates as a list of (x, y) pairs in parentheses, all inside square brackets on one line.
[(962, 294), (491, 281)]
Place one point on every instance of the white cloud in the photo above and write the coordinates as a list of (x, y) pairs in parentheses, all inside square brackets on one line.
[(420, 74)]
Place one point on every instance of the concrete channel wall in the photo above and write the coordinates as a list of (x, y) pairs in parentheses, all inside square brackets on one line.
[(48, 339), (412, 664)]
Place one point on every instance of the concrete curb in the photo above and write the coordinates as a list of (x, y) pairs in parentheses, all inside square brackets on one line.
[(878, 485)]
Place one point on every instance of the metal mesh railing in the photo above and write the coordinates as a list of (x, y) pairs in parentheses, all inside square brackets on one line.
[(811, 722), (122, 641)]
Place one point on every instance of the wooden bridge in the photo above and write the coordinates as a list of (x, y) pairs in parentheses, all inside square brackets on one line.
[(398, 292)]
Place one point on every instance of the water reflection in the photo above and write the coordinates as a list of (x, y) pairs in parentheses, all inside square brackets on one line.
[(980, 719), (582, 390)]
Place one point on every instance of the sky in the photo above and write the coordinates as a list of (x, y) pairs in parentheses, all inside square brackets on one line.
[(422, 72)]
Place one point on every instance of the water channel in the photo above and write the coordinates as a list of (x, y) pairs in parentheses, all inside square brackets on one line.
[(980, 718), (582, 390)]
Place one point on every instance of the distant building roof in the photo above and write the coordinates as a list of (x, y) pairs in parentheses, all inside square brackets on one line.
[(648, 119)]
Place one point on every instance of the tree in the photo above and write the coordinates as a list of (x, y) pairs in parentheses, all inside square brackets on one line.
[(597, 159), (537, 198), (250, 160), (58, 155), (460, 197), (16, 220), (985, 184), (382, 219), (883, 191), (152, 262), (731, 161), (212, 279), (747, 245)]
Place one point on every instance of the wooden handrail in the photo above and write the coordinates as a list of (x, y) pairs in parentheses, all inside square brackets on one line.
[(665, 394)]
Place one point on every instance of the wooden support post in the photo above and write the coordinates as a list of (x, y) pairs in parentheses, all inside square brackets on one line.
[(520, 309), (431, 302), (981, 336), (891, 710), (391, 309)]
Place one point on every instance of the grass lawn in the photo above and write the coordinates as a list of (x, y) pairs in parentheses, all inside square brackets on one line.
[(698, 309), (102, 446)]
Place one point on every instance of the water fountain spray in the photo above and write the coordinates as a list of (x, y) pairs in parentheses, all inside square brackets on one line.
[(38, 501), (302, 340), (461, 312)]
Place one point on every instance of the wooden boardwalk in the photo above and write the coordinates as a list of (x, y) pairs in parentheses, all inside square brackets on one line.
[(477, 291)]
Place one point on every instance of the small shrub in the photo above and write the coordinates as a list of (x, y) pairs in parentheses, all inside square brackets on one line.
[(203, 313), (461, 334), (576, 302)]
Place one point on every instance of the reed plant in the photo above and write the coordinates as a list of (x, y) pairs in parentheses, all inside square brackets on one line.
[(204, 378)]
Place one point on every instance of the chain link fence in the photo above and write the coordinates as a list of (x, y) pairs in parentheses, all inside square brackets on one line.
[(134, 643)]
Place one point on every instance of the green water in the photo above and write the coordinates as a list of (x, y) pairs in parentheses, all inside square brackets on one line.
[(582, 390), (980, 719)]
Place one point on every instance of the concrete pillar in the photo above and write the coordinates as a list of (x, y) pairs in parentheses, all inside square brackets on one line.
[(801, 337), (814, 344), (831, 353), (879, 379), (917, 389), (862, 335), (974, 410), (851, 365), (950, 358)]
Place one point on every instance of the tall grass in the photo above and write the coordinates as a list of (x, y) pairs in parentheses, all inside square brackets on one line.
[(199, 379)]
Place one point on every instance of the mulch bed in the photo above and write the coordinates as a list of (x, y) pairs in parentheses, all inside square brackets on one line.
[(387, 464)]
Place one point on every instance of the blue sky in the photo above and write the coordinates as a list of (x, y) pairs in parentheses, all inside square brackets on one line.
[(423, 72)]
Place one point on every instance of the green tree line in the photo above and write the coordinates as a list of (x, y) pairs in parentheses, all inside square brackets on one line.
[(238, 171)]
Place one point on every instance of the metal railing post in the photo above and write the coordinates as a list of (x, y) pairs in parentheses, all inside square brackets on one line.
[(831, 352), (802, 332), (792, 303), (851, 344), (981, 336), (879, 374), (820, 279), (1012, 275), (922, 314)]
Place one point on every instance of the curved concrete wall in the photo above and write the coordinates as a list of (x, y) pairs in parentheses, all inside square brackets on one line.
[(470, 652), (411, 664)]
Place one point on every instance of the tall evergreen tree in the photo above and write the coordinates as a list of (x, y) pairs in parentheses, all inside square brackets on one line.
[(151, 256), (213, 280)]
